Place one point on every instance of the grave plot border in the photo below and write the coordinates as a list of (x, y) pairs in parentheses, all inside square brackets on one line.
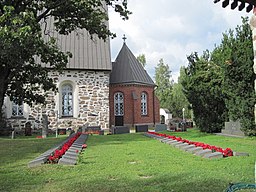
[(77, 145), (196, 148)]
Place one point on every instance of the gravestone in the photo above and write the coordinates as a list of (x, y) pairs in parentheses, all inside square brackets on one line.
[(141, 128), (120, 130), (28, 129), (45, 125), (232, 128), (160, 127)]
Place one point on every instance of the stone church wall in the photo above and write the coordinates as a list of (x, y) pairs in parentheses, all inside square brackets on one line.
[(90, 102)]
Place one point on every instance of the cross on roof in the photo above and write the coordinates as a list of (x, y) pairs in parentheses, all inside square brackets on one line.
[(124, 38)]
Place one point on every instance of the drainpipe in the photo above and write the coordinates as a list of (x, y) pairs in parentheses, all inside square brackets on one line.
[(154, 118)]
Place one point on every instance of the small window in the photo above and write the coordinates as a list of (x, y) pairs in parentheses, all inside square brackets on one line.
[(119, 104), (17, 110), (144, 109), (67, 100)]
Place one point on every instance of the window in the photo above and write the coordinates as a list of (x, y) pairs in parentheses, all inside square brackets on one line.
[(119, 104), (143, 106), (17, 110), (67, 100)]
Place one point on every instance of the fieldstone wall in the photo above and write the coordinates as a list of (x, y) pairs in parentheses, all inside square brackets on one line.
[(90, 101)]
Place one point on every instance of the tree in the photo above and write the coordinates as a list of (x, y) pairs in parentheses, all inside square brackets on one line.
[(164, 85), (21, 75), (236, 51), (178, 99), (203, 89), (142, 59)]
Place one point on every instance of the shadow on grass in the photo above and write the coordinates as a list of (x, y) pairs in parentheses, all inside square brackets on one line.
[(177, 182)]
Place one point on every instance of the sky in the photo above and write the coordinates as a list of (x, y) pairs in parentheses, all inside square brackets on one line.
[(172, 30)]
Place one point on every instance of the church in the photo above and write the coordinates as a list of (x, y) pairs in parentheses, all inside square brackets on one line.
[(92, 90)]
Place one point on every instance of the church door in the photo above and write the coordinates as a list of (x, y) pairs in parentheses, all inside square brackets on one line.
[(119, 108)]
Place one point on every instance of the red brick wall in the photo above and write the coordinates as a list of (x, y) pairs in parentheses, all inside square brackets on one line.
[(132, 107)]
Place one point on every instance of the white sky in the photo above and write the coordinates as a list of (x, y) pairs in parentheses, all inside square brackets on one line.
[(171, 29)]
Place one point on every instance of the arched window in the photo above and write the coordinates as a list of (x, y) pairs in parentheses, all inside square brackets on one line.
[(119, 104), (143, 106), (67, 100)]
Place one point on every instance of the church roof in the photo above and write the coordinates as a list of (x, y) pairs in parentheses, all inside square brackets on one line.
[(87, 53), (128, 70)]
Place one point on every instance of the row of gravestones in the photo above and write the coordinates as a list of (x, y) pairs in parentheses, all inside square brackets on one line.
[(206, 153), (199, 151), (138, 128), (71, 155), (69, 158)]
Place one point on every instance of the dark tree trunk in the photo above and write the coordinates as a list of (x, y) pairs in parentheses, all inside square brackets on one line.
[(4, 76)]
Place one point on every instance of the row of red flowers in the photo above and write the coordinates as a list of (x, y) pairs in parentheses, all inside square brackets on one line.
[(58, 153), (226, 152)]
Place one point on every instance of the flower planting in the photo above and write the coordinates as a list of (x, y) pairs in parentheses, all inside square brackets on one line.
[(226, 152), (58, 153)]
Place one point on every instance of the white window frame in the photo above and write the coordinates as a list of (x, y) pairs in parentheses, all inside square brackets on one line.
[(119, 104), (144, 103), (67, 103), (17, 110)]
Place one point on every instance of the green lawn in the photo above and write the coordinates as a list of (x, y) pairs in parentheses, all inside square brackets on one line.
[(128, 162)]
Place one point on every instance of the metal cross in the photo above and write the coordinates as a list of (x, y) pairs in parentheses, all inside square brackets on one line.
[(124, 38)]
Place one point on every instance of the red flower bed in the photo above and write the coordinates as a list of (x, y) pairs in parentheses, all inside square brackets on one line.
[(58, 153), (226, 152)]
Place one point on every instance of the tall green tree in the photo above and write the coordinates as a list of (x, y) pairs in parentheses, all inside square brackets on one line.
[(236, 51), (21, 41), (142, 59), (163, 82), (203, 89), (178, 99)]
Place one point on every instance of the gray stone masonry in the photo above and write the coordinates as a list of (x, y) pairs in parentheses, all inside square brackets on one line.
[(171, 141), (203, 152), (160, 127), (186, 148), (215, 155), (67, 161), (44, 156), (176, 143), (181, 145), (194, 150), (199, 151), (165, 140), (71, 155), (240, 154), (232, 128)]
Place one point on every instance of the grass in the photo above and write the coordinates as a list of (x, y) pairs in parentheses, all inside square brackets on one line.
[(128, 162)]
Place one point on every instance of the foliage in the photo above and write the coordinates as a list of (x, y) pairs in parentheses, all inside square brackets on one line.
[(23, 51), (178, 99), (220, 85), (163, 82), (126, 162), (203, 89), (236, 50), (142, 59)]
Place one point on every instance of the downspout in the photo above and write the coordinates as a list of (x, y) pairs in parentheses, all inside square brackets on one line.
[(154, 116)]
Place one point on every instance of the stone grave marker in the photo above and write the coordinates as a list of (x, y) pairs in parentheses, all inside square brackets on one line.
[(233, 128), (160, 127), (45, 125), (28, 129)]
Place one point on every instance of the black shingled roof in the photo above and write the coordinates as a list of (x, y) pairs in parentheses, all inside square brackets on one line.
[(128, 70)]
